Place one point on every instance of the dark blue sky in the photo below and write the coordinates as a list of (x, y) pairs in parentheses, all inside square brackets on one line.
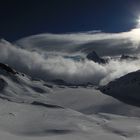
[(20, 18)]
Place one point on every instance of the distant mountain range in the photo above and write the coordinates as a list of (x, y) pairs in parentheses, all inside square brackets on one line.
[(126, 57)]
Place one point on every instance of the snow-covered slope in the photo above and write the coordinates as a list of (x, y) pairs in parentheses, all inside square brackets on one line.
[(18, 87), (126, 88), (30, 122), (91, 101), (32, 109), (27, 122)]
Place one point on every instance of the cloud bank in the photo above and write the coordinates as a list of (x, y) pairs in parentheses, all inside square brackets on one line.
[(103, 43), (44, 56)]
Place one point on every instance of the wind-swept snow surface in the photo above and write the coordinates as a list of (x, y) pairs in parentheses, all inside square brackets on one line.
[(25, 121), (31, 109)]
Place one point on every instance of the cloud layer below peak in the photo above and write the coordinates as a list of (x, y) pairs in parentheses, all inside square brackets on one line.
[(50, 56)]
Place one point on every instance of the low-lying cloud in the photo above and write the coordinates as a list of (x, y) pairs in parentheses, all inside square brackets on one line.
[(50, 65)]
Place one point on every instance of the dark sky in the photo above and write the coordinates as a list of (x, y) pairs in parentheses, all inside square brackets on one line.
[(20, 18)]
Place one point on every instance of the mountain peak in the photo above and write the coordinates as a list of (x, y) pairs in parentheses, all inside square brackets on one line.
[(94, 57)]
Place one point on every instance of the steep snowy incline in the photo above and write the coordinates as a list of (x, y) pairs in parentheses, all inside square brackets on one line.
[(18, 87), (125, 88)]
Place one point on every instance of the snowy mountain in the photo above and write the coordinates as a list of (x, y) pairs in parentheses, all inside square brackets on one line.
[(126, 88), (94, 57), (18, 87), (127, 57)]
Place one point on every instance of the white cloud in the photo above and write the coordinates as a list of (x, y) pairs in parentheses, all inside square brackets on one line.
[(103, 43), (48, 64)]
